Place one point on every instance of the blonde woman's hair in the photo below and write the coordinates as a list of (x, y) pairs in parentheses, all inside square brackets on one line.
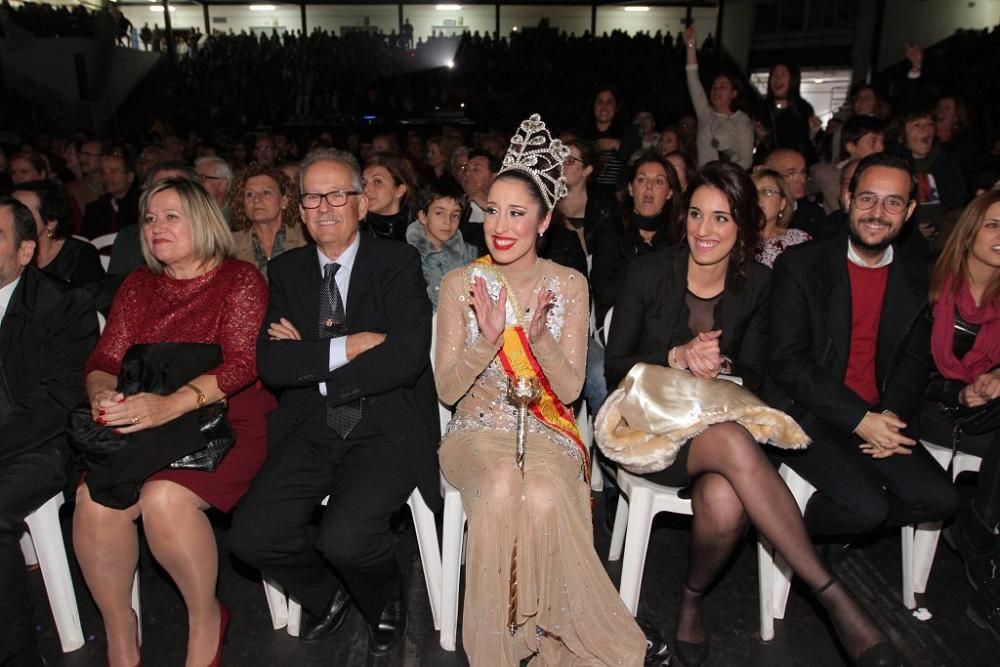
[(210, 234), (954, 258), (789, 209)]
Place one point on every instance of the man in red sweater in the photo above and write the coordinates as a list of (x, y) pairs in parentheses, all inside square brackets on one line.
[(849, 359)]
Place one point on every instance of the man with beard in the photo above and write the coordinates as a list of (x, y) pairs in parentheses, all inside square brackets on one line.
[(848, 359)]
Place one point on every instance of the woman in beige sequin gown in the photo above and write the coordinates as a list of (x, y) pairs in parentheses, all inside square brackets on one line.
[(567, 611)]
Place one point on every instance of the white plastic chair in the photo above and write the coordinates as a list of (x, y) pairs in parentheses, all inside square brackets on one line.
[(103, 243), (920, 542), (286, 611), (452, 543), (43, 544), (640, 501)]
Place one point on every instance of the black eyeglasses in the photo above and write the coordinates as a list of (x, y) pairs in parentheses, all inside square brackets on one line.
[(336, 198)]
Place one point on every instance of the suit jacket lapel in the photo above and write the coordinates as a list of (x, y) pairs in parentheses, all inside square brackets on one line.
[(307, 282), (834, 280), (904, 300), (672, 289), (361, 282)]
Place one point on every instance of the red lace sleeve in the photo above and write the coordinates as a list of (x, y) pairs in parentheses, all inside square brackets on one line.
[(244, 305), (119, 332)]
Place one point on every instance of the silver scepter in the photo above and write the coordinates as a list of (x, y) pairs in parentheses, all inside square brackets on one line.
[(522, 391)]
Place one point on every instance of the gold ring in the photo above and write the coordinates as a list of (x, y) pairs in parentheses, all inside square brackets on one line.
[(135, 420)]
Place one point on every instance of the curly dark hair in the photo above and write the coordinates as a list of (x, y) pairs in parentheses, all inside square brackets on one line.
[(238, 219)]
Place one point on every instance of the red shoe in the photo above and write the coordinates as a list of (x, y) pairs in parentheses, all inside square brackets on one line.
[(223, 627)]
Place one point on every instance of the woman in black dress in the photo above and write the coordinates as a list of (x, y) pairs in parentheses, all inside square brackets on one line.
[(703, 307), (59, 254)]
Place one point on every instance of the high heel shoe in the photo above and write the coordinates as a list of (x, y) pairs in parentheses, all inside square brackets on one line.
[(223, 628), (691, 654), (880, 654)]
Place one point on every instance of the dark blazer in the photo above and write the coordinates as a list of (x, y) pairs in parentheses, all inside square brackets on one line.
[(48, 331), (99, 217), (811, 336), (613, 250), (387, 294), (651, 316)]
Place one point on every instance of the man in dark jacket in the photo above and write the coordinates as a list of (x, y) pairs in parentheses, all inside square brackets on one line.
[(849, 359), (357, 415), (118, 207), (47, 331)]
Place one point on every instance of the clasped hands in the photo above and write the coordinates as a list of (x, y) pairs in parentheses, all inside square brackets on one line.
[(700, 355), (138, 412), (492, 316), (984, 389), (882, 435), (356, 344)]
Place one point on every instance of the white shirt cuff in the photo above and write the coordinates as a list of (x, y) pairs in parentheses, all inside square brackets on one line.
[(338, 357), (338, 352)]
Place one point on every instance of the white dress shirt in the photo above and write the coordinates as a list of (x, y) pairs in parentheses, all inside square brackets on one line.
[(854, 258), (5, 294), (338, 344)]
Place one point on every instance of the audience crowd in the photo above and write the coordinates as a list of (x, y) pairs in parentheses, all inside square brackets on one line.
[(898, 192)]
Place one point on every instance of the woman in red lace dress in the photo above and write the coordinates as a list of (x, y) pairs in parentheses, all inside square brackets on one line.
[(189, 291)]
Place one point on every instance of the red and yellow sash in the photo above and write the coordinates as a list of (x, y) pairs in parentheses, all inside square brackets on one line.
[(517, 360)]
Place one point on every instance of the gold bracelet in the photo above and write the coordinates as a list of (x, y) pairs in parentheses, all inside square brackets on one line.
[(201, 396)]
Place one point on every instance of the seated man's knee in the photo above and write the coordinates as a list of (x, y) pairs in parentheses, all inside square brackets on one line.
[(937, 502), (344, 542), (859, 510), (249, 536)]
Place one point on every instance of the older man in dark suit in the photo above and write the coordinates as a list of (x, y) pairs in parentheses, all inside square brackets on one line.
[(47, 329), (849, 359), (346, 341)]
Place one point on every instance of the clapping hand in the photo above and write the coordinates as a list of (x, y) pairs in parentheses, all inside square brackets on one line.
[(546, 300), (492, 317)]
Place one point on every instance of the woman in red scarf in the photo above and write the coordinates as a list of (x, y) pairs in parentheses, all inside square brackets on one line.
[(965, 341)]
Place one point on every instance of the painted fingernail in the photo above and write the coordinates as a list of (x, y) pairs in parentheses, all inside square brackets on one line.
[(101, 411), (102, 421)]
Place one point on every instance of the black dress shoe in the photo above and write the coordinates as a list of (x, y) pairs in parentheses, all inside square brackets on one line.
[(657, 651), (314, 629), (388, 633)]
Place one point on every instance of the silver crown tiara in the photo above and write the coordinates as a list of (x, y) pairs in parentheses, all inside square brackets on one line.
[(534, 152)]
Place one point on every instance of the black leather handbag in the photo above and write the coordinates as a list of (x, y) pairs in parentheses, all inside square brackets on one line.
[(219, 439), (197, 440)]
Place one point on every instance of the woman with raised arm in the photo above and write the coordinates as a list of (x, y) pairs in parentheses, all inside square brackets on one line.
[(535, 588), (725, 131)]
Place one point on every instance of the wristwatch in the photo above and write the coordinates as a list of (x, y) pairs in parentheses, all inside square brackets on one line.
[(201, 396)]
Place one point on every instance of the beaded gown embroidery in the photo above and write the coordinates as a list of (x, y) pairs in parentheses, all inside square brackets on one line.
[(567, 610)]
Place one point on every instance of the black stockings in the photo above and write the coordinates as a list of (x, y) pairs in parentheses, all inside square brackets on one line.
[(735, 481)]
